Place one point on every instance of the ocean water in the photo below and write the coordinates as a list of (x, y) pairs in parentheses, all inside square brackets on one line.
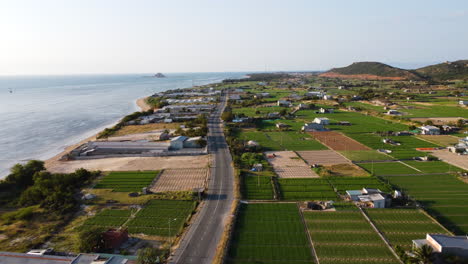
[(44, 114)]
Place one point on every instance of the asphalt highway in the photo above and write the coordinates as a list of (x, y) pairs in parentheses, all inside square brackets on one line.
[(201, 239)]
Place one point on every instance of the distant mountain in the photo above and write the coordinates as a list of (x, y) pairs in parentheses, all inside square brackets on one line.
[(445, 71), (372, 71), (380, 71)]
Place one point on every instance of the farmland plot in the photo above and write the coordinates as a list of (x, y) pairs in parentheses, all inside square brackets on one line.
[(256, 186), (161, 218), (388, 168), (401, 226), (357, 183), (109, 218), (323, 157), (180, 180), (443, 196), (346, 237), (268, 234), (337, 141), (131, 181), (306, 189), (288, 165)]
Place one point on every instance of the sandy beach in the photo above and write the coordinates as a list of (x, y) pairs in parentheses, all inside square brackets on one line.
[(142, 104)]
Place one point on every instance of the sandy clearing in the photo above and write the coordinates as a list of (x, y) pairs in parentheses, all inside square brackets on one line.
[(437, 120), (130, 163), (288, 165), (323, 157), (337, 141), (452, 158)]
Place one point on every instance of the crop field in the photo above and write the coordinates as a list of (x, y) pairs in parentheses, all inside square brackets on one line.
[(109, 218), (261, 138), (401, 226), (268, 234), (360, 123), (130, 181), (250, 111), (180, 180), (337, 141), (435, 111), (365, 155), (444, 196), (388, 168), (432, 166), (357, 183), (442, 140), (306, 190), (158, 215), (323, 157), (346, 237), (256, 186), (287, 140), (292, 140), (406, 149)]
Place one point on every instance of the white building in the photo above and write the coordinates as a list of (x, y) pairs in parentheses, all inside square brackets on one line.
[(311, 127), (327, 97), (430, 130), (177, 143), (315, 94), (321, 121), (451, 245), (461, 102), (393, 112)]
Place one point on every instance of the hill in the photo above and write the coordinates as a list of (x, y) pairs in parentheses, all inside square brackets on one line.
[(445, 71), (372, 71)]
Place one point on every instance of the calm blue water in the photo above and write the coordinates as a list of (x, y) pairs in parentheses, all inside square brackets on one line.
[(45, 114)]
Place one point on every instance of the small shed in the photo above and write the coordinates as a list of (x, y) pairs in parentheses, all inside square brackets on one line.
[(353, 194), (178, 142), (321, 121)]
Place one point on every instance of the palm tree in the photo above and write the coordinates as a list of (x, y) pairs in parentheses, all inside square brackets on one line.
[(424, 254)]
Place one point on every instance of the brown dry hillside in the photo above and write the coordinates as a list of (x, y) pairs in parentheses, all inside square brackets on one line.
[(371, 71)]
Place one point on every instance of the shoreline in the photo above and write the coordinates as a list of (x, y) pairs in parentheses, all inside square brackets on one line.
[(141, 103), (51, 162)]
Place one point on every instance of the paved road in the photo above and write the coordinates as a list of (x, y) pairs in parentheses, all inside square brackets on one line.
[(201, 240)]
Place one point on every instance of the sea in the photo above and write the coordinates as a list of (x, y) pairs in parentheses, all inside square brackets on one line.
[(41, 115)]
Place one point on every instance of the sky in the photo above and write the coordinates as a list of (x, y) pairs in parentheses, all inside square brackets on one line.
[(146, 36)]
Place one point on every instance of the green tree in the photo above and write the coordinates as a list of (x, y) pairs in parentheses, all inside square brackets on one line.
[(148, 255), (424, 254), (227, 116), (90, 240)]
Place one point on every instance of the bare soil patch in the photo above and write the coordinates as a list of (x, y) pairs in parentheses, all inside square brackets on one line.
[(323, 157), (288, 165), (346, 170), (460, 161), (360, 76), (337, 141), (181, 180), (443, 140), (437, 120), (130, 164), (134, 129)]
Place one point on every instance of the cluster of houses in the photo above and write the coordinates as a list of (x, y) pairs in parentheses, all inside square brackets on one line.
[(461, 147), (372, 198), (175, 113)]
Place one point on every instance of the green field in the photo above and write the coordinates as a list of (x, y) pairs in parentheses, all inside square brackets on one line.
[(256, 186), (158, 215), (406, 149), (268, 234), (109, 218), (435, 111), (401, 226), (357, 183), (388, 168), (346, 237), (414, 167), (365, 155), (288, 140), (130, 181), (443, 196), (306, 189)]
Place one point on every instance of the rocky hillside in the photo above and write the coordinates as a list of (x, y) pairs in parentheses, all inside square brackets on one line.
[(455, 70)]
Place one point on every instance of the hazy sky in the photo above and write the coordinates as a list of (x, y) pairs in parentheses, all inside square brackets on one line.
[(136, 36)]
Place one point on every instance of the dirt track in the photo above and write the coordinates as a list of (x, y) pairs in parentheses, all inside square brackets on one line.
[(337, 141)]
